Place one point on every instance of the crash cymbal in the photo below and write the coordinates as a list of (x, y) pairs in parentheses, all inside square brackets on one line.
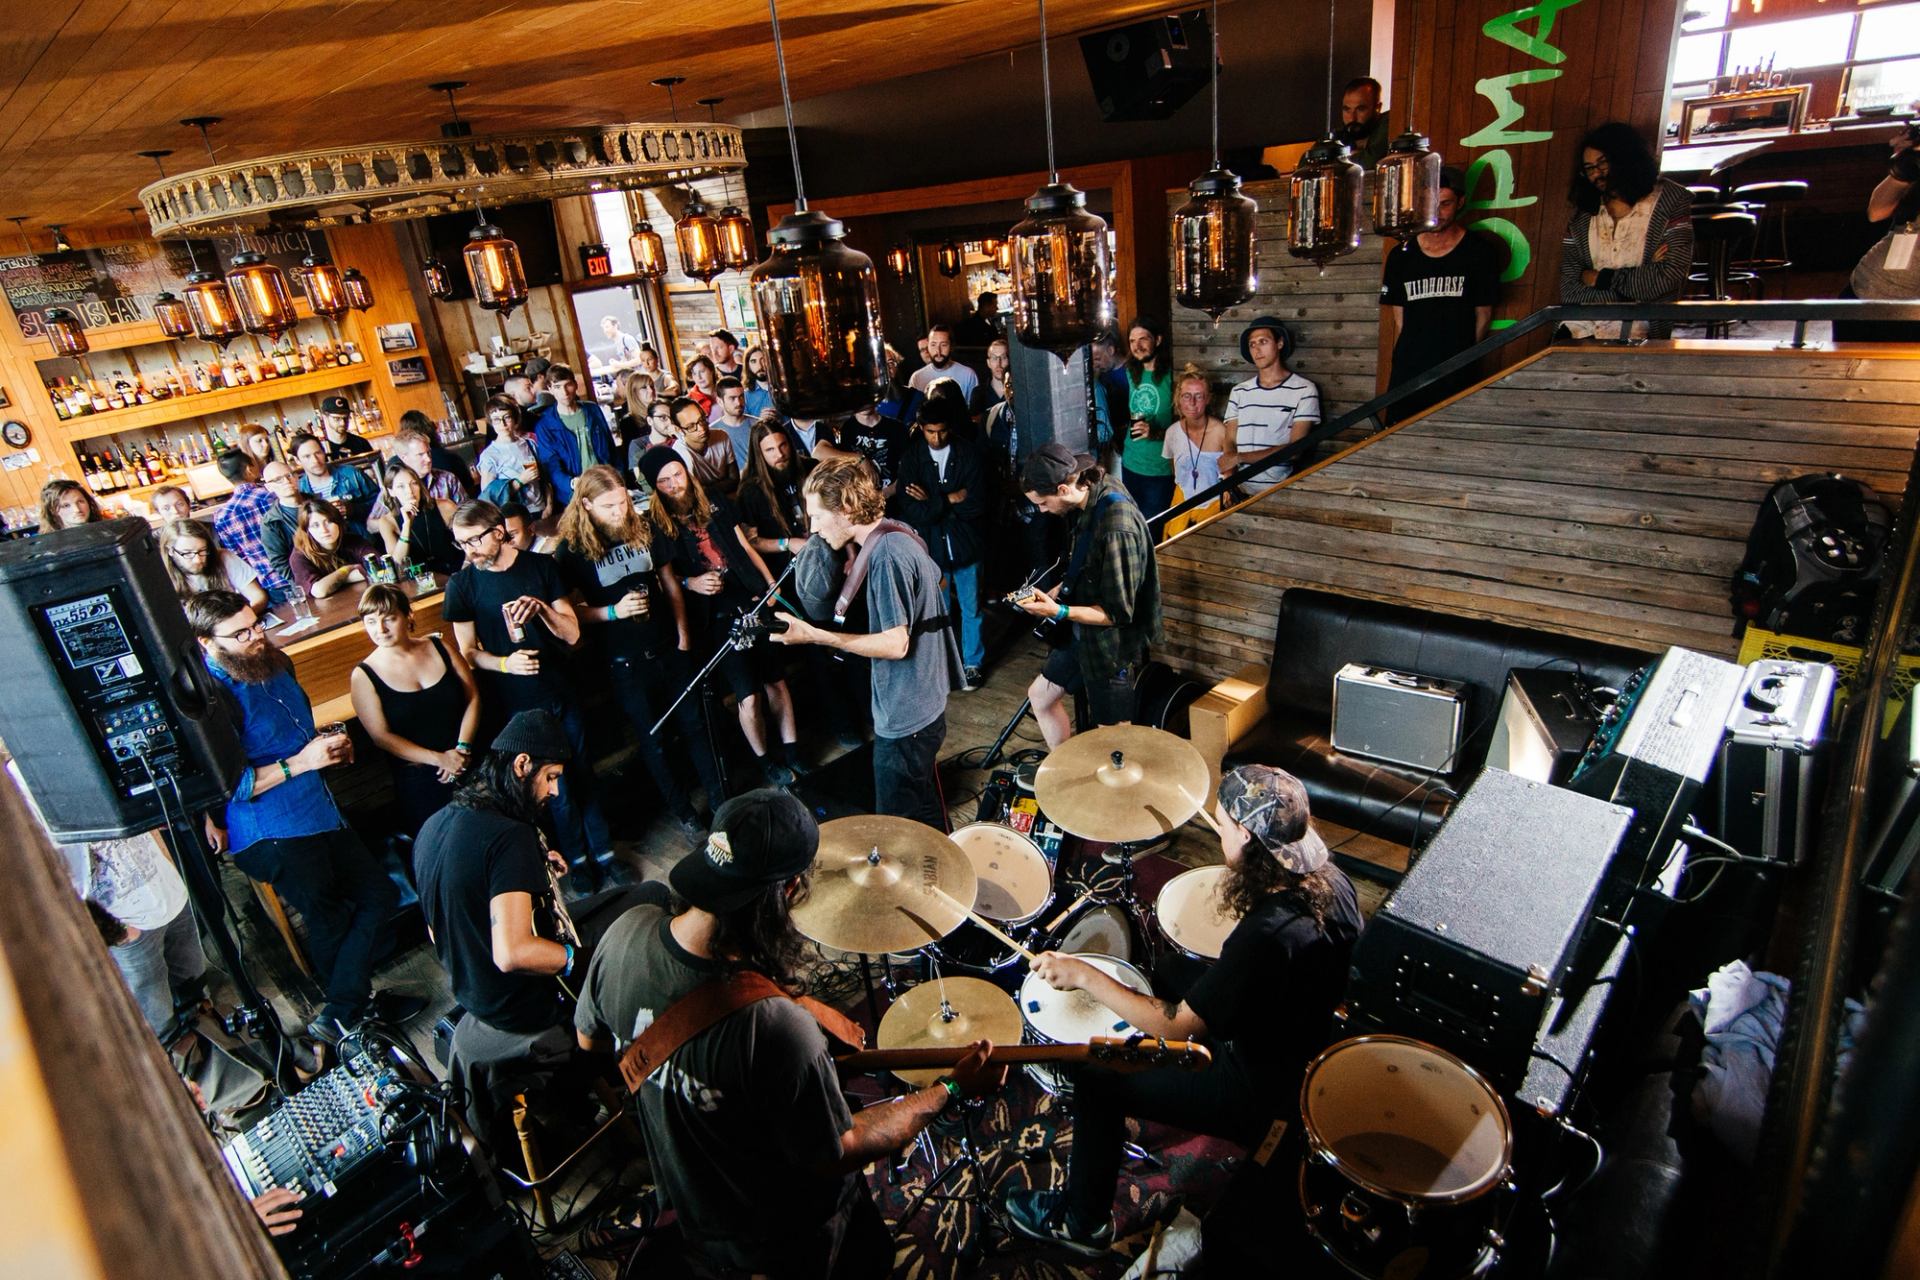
[(1122, 782), (878, 886), (944, 1013)]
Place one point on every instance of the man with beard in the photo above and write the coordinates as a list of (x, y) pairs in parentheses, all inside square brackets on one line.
[(515, 628), (336, 419), (941, 364), (911, 644), (605, 554), (721, 348), (1147, 384), (282, 825), (488, 900), (1363, 125), (712, 576), (748, 1133), (731, 421), (1266, 1006), (773, 510)]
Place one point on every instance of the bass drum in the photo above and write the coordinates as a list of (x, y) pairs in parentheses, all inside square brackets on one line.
[(1408, 1153), (1162, 697)]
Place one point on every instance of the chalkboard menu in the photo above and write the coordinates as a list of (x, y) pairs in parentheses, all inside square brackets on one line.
[(116, 283)]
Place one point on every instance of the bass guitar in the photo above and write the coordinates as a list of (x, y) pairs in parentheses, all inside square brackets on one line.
[(1135, 1053), (1056, 633)]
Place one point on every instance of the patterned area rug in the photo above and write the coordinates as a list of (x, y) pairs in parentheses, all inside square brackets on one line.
[(1025, 1137)]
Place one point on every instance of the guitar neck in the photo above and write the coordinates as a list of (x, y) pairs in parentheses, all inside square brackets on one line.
[(1173, 1053)]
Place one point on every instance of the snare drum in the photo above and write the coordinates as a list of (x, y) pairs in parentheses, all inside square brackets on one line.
[(1192, 916), (1073, 1017), (1408, 1151), (1098, 927), (1015, 887)]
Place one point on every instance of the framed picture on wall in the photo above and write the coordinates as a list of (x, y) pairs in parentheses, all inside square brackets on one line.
[(396, 337), (736, 311), (408, 372)]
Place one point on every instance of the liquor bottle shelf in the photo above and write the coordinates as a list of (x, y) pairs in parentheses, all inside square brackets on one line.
[(206, 403)]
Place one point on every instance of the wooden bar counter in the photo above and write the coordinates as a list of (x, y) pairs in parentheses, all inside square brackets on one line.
[(325, 655)]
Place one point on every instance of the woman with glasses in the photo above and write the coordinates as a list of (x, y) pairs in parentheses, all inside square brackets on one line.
[(1193, 446), (417, 529), (419, 703), (196, 563), (1631, 235), (509, 468), (327, 556)]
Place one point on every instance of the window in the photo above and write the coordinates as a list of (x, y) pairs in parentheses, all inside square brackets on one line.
[(1702, 15), (1889, 33), (1886, 84), (1804, 42), (616, 228), (1697, 58)]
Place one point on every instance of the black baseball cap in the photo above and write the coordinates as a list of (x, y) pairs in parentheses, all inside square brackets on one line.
[(536, 365), (760, 838), (336, 406), (1049, 467)]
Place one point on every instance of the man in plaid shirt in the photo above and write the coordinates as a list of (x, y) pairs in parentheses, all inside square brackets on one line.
[(1110, 593), (237, 527)]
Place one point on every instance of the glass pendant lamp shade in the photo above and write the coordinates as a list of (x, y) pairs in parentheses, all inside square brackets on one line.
[(737, 250), (357, 288), (818, 304), (1003, 256), (64, 330), (260, 291), (900, 259), (326, 290), (438, 280), (216, 317), (174, 319), (649, 251), (950, 259), (1326, 195), (1214, 241), (1061, 271), (493, 268), (699, 236), (1406, 188)]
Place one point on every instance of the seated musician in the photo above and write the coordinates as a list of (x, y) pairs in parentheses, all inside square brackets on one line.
[(501, 932), (1266, 1007), (750, 1137)]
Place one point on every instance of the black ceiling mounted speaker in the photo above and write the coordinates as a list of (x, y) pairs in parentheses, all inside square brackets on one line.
[(1148, 70)]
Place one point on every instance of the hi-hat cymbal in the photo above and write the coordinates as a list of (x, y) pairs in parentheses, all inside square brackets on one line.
[(882, 885), (1122, 782), (945, 1013)]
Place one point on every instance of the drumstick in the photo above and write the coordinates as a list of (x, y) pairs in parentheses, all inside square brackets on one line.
[(981, 920), (1054, 923), (1206, 817)]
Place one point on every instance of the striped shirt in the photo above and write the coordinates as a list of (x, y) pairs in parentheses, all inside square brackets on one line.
[(1266, 416)]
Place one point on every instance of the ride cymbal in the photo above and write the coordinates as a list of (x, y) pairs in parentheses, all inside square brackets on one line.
[(878, 886), (1122, 783)]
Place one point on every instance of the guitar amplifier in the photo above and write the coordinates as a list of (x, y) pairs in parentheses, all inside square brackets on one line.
[(1472, 945), (1396, 717), (1546, 720), (1766, 779)]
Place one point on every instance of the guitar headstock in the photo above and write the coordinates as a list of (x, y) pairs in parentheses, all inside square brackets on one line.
[(1020, 595), (1139, 1052)]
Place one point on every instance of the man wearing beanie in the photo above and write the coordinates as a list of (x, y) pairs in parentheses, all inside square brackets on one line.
[(1265, 1008), (1110, 593), (749, 1135)]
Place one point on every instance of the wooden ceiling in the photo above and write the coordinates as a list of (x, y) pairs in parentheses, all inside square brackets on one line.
[(87, 84)]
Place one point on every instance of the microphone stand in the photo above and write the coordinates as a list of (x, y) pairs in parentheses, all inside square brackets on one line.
[(739, 637)]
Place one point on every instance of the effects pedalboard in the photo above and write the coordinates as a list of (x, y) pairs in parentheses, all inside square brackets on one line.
[(323, 1133)]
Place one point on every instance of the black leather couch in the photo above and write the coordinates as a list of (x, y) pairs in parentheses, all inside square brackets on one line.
[(1318, 633)]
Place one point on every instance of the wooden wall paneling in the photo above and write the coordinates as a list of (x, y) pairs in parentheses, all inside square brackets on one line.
[(375, 250), (1606, 494)]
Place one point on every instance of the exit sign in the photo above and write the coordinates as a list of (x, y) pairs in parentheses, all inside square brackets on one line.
[(596, 260)]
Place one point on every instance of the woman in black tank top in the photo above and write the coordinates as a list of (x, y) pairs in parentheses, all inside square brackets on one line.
[(417, 700)]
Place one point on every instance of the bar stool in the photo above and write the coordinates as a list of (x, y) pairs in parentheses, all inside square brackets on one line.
[(1772, 201), (1721, 235)]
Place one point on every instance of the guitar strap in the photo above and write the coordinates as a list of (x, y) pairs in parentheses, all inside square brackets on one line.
[(707, 1004), (857, 572)]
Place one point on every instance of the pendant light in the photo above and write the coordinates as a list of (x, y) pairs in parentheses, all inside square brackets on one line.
[(1062, 269), (1326, 192), (174, 319), (1003, 257), (817, 300), (493, 267), (260, 290), (900, 259), (648, 249), (216, 317), (437, 279), (1214, 237), (696, 230), (736, 228), (357, 288), (1406, 182), (326, 291), (951, 259), (64, 330)]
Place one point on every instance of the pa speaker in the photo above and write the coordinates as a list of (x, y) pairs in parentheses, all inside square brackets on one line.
[(1148, 70), (108, 707)]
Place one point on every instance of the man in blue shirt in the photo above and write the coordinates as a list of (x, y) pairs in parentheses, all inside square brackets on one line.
[(571, 435), (282, 825)]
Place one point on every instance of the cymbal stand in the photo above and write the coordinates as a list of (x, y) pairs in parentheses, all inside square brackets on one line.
[(977, 1191)]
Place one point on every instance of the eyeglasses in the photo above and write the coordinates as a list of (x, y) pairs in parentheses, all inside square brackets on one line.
[(1598, 166), (244, 635), (286, 479), (468, 544)]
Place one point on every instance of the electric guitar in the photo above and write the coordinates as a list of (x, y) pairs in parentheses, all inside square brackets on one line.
[(1055, 632), (1135, 1053)]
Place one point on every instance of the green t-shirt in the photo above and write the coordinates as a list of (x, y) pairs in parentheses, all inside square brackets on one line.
[(1149, 398), (576, 422)]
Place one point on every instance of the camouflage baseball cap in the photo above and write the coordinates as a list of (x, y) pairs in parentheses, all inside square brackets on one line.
[(1272, 804)]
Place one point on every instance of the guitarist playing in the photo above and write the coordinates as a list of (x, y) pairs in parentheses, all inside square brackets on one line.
[(748, 1132), (1110, 594), (1267, 1006)]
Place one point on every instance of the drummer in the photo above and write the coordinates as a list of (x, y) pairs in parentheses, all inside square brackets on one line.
[(1266, 1008)]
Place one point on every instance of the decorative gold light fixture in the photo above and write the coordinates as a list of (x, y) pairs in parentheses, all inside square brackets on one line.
[(64, 330), (900, 259), (951, 259), (437, 279), (326, 290), (260, 291), (216, 317), (736, 228), (493, 268), (357, 288), (699, 237), (1214, 234), (1326, 192), (1062, 268), (1003, 257), (817, 300)]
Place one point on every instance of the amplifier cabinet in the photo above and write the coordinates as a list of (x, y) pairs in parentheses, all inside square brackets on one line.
[(1471, 946), (1767, 777), (1396, 717)]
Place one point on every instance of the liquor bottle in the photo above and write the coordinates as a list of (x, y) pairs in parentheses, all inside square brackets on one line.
[(156, 463), (96, 397), (354, 355), (89, 473), (58, 395), (140, 393)]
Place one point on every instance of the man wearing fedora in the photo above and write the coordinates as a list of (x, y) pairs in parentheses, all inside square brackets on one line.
[(1270, 410)]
